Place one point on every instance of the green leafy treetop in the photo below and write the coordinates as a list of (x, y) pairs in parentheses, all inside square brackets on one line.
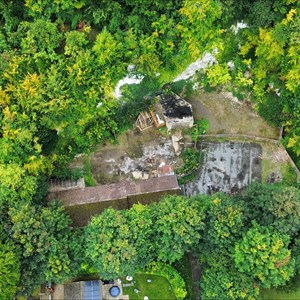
[(178, 224), (119, 242), (223, 282), (9, 270), (264, 256), (45, 240)]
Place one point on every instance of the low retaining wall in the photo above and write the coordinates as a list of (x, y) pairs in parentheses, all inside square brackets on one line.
[(83, 203)]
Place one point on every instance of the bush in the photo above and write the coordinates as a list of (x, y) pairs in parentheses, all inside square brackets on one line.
[(271, 109), (200, 127), (192, 160), (184, 87), (176, 281), (87, 171), (67, 174), (135, 99)]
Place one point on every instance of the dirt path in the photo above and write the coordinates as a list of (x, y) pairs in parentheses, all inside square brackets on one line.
[(196, 275), (227, 115)]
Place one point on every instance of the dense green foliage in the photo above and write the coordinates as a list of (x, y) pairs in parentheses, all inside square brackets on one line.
[(48, 248), (122, 242), (10, 270), (59, 64), (261, 62), (191, 160), (249, 241), (264, 256), (241, 246)]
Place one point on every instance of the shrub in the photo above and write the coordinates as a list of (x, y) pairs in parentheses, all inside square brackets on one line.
[(192, 160), (176, 281), (200, 127)]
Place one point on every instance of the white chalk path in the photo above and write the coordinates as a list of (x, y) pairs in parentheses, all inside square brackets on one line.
[(201, 63), (129, 79)]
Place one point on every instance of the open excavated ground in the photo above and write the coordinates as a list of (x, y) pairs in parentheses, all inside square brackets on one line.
[(137, 155), (226, 114), (227, 167)]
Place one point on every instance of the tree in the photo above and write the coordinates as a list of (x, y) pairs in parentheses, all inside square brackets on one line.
[(296, 254), (43, 236), (140, 222), (39, 41), (264, 255), (177, 227), (75, 42), (47, 8), (109, 248), (274, 205), (201, 25), (225, 223), (224, 281), (9, 270)]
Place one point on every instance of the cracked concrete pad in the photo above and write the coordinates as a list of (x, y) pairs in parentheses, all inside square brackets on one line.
[(227, 167)]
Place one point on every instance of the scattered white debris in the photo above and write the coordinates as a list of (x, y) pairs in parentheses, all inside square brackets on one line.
[(111, 160), (139, 175), (230, 65), (207, 60), (238, 26), (130, 68), (127, 166), (129, 79), (162, 164)]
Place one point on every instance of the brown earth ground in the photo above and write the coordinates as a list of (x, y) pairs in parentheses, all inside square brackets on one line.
[(137, 155), (226, 114)]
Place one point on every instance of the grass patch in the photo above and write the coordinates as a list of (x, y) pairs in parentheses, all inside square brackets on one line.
[(289, 292), (158, 288), (267, 169), (87, 173), (289, 174)]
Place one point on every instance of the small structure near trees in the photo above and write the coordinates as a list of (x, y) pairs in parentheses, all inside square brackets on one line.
[(171, 110), (177, 112)]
